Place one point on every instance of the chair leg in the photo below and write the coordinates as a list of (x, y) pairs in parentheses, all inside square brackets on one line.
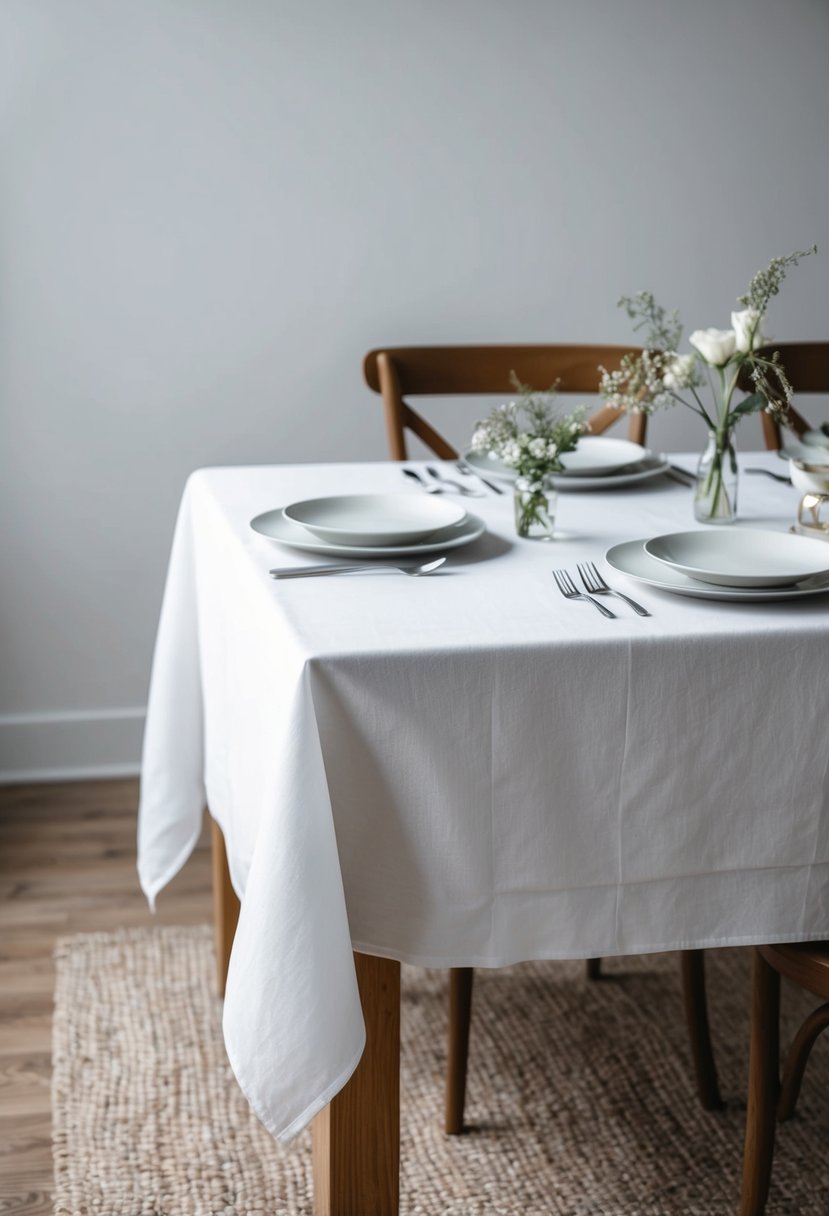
[(796, 1061), (593, 968), (692, 963), (460, 1016), (763, 1085), (225, 906)]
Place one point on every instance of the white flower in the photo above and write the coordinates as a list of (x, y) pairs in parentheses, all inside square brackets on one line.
[(748, 327), (537, 448), (480, 440), (679, 372), (511, 454), (715, 345), (552, 449)]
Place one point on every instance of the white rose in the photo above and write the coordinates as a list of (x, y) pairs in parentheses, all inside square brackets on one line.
[(748, 326), (679, 372), (715, 345)]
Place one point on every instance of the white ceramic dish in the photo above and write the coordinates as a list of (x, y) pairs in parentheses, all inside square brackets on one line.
[(631, 559), (274, 526), (809, 481), (741, 557), (596, 456), (650, 466), (374, 519), (808, 456), (817, 439)]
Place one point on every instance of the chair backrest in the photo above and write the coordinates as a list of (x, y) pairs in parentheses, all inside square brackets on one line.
[(807, 367), (414, 371)]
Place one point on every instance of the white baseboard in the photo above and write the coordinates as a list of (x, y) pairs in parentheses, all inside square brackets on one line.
[(73, 746)]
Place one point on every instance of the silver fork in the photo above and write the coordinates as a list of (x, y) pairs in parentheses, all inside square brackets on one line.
[(341, 568), (596, 585), (571, 592)]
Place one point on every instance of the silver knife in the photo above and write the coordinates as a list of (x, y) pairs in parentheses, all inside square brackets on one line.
[(341, 568), (462, 465), (683, 476)]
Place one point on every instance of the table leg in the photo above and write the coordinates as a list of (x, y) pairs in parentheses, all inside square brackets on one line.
[(357, 1136), (692, 963), (225, 906), (460, 1018), (763, 1086)]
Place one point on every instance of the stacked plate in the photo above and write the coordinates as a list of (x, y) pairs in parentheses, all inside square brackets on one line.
[(370, 525), (597, 463), (727, 564)]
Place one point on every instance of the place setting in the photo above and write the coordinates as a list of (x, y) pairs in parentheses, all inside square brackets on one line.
[(597, 463), (742, 565), (375, 526)]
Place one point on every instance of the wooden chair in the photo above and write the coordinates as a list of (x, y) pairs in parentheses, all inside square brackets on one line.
[(768, 1097), (449, 371), (446, 371), (807, 366)]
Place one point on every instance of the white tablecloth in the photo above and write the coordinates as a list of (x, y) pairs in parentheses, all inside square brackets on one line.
[(468, 769)]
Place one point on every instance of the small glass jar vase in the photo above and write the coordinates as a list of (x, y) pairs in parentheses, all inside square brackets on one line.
[(535, 507), (715, 496)]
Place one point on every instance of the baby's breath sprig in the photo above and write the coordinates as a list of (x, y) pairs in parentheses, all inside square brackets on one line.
[(648, 381), (663, 329), (766, 283), (768, 374), (530, 434)]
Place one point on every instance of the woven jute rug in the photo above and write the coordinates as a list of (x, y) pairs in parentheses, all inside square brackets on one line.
[(580, 1094)]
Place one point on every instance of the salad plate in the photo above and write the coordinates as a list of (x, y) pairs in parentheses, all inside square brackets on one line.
[(599, 456), (274, 526), (631, 559), (741, 557), (371, 520)]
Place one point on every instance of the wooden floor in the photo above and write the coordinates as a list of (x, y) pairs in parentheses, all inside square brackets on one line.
[(67, 865)]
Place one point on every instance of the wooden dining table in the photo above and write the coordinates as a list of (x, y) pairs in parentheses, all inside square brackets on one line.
[(467, 770)]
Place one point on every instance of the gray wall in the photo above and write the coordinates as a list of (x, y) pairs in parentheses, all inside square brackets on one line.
[(212, 208)]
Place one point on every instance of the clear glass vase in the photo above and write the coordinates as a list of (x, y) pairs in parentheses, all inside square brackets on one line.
[(535, 507), (715, 496)]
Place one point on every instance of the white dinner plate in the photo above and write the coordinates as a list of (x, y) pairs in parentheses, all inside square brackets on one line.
[(374, 519), (275, 526), (631, 559), (741, 557), (597, 456), (651, 465)]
